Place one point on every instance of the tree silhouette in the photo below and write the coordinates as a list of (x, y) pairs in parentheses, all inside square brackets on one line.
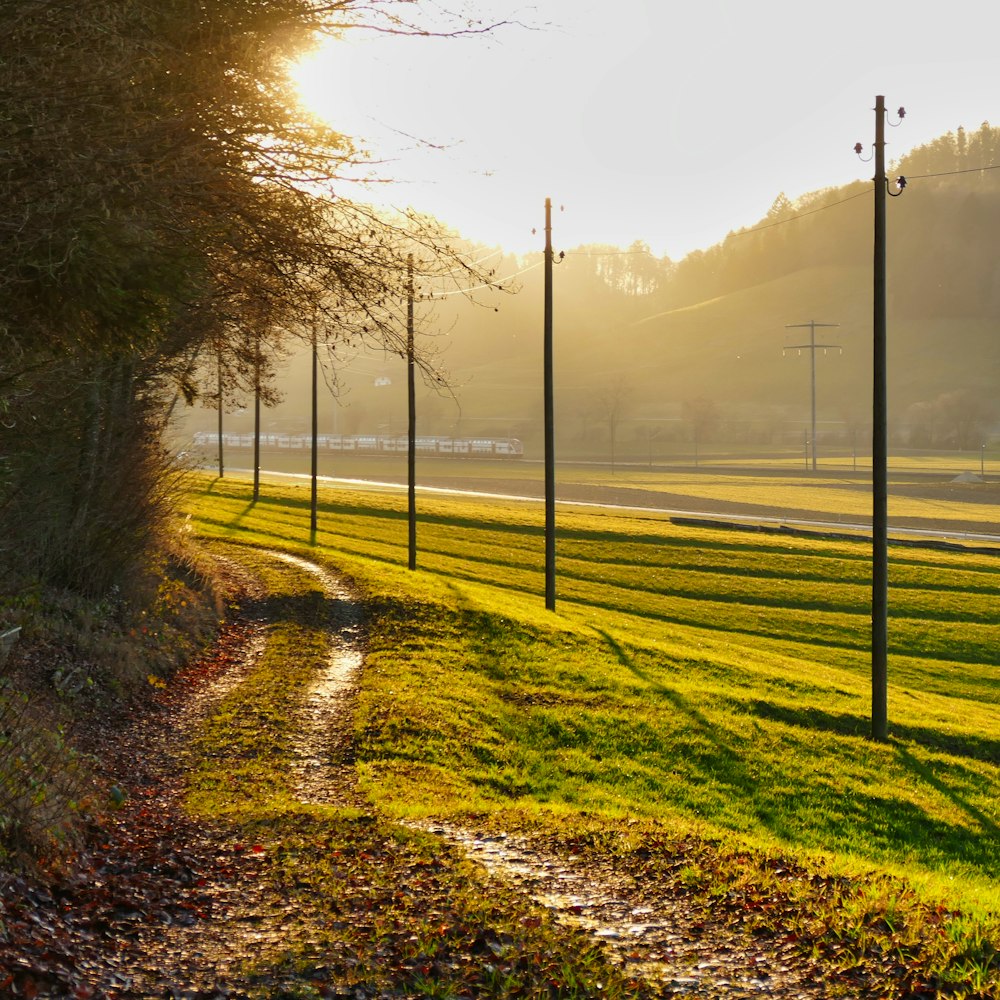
[(163, 196)]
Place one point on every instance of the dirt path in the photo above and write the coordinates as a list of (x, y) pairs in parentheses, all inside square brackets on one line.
[(204, 958), (188, 907), (657, 938), (653, 935), (324, 746)]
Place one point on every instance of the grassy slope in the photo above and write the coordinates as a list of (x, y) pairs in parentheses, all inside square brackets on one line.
[(361, 901), (692, 681), (704, 676)]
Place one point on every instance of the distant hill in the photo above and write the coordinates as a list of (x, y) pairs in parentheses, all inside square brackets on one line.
[(644, 344)]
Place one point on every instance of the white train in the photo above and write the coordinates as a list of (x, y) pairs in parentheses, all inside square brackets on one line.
[(369, 444)]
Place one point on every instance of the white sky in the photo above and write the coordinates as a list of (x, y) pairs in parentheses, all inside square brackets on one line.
[(651, 119)]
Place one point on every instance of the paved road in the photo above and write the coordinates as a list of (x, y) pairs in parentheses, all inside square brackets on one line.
[(641, 501)]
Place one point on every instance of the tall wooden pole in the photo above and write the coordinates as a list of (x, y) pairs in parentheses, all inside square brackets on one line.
[(411, 423), (219, 375), (880, 456), (314, 461), (256, 423), (550, 461)]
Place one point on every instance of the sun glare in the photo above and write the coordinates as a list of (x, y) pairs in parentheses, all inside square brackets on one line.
[(322, 79), (417, 113)]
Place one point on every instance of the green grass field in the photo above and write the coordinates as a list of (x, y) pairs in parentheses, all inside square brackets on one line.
[(691, 675), (920, 493), (705, 679)]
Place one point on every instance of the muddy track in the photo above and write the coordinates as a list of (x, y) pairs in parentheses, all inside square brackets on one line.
[(241, 914), (649, 932), (323, 747), (655, 937)]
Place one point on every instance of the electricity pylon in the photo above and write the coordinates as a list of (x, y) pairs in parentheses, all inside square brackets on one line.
[(811, 347)]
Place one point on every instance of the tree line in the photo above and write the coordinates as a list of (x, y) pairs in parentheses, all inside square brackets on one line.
[(643, 342), (166, 201)]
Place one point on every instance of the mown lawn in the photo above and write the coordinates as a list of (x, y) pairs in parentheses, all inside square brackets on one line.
[(705, 679), (697, 705)]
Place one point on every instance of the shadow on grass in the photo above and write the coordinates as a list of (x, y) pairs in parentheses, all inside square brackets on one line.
[(799, 810), (237, 518), (728, 765), (312, 609), (473, 568), (479, 522), (924, 772), (969, 745)]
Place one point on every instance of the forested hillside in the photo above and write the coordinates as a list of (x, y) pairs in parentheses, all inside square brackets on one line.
[(655, 347)]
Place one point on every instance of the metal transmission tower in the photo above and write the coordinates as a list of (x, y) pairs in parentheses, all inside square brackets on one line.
[(811, 347)]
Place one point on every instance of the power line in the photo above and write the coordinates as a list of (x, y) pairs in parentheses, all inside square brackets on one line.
[(781, 222), (951, 173), (611, 253), (800, 215), (434, 296), (474, 263), (860, 194), (731, 235)]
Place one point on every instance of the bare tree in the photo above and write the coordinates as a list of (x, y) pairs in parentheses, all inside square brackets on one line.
[(161, 192), (703, 415), (613, 402)]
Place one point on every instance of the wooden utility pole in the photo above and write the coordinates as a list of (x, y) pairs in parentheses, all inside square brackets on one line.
[(880, 453), (549, 401), (880, 439), (218, 358), (256, 421), (411, 401), (811, 347), (314, 458)]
